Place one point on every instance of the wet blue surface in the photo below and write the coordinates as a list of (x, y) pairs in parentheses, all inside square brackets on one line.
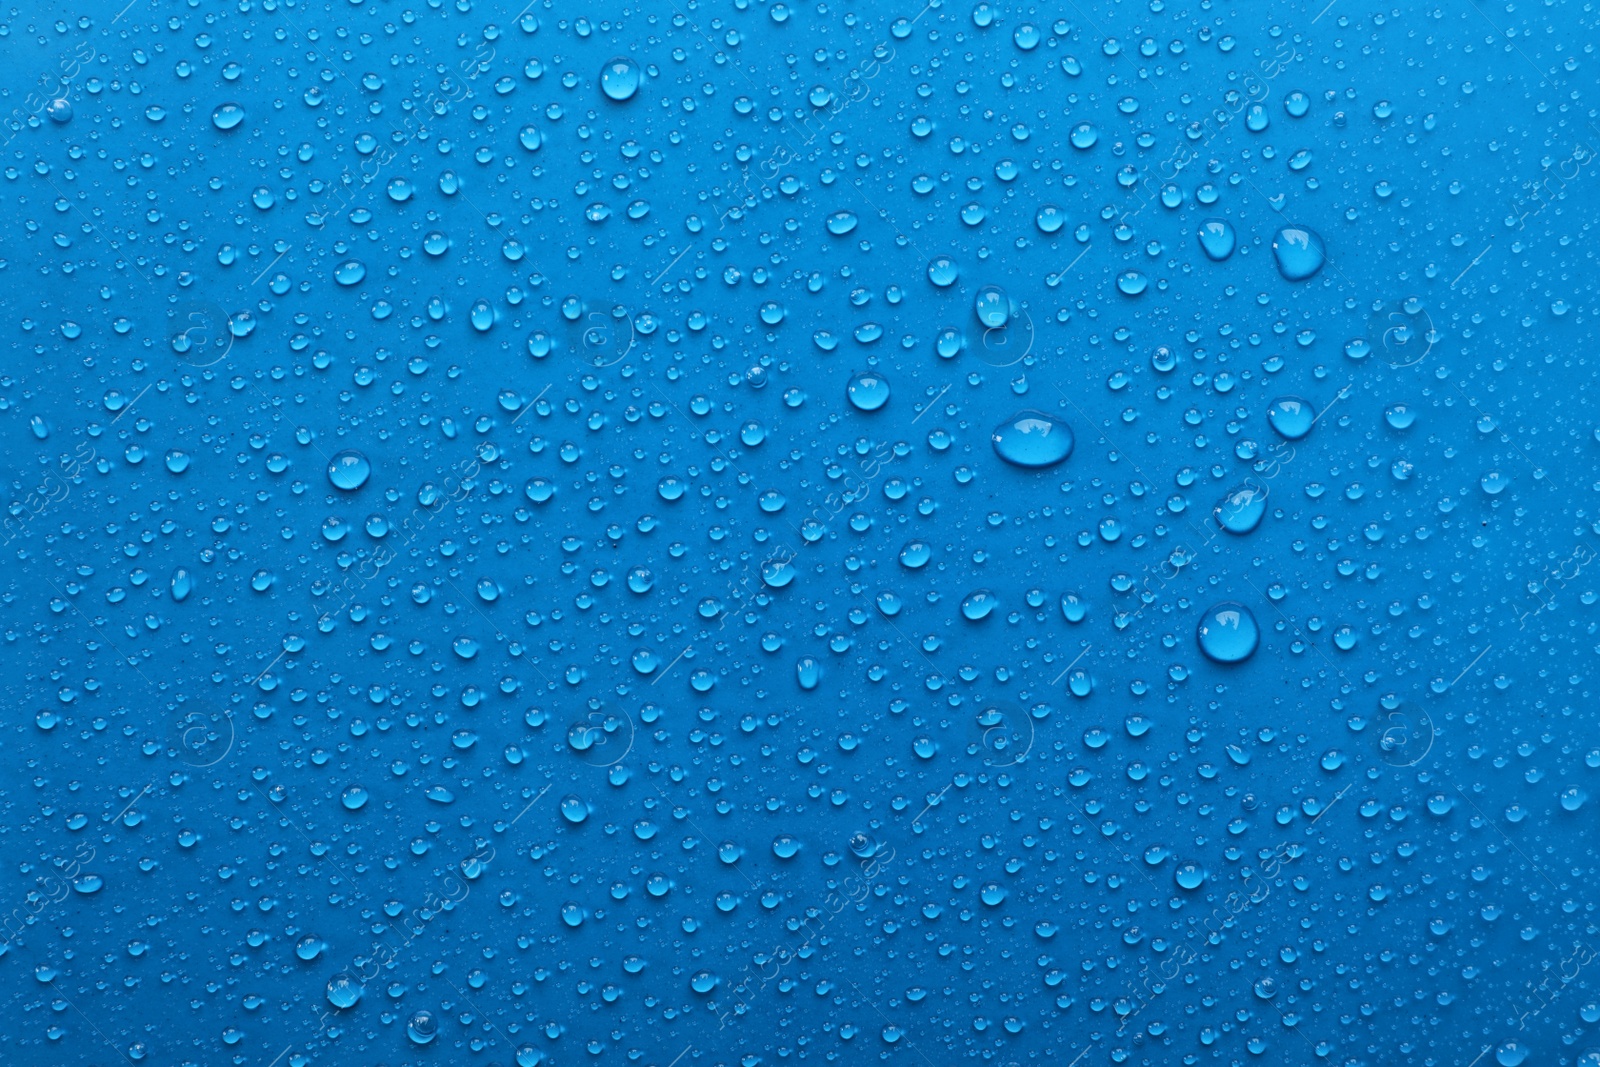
[(543, 536)]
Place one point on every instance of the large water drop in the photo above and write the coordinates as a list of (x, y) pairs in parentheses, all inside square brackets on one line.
[(619, 79), (1299, 252), (349, 470), (1228, 632), (1217, 240), (1032, 439)]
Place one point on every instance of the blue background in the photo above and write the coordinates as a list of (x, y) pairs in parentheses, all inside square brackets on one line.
[(606, 722)]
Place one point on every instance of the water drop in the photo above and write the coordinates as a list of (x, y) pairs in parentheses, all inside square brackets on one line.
[(1241, 510), (227, 116), (349, 470), (619, 79), (1032, 439), (1299, 252), (1291, 417), (868, 391), (1228, 633), (841, 223), (992, 307), (344, 991), (1217, 239)]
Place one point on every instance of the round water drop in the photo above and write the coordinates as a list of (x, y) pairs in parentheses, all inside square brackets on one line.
[(399, 190), (531, 138), (227, 116), (177, 462), (1050, 219), (942, 271), (349, 470), (1217, 240), (619, 79), (1494, 482), (309, 947), (1297, 104), (350, 272), (1032, 439), (1228, 633), (915, 554), (59, 111), (1132, 283), (344, 991), (978, 604), (1511, 1054), (573, 809), (1190, 875), (422, 1027), (354, 798), (841, 223), (777, 573), (1084, 136), (1242, 509), (1291, 417), (1299, 252), (992, 307), (868, 391)]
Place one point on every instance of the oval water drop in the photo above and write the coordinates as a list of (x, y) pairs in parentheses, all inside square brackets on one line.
[(1032, 439), (1291, 417), (1217, 240), (1299, 252), (1242, 509), (227, 116)]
